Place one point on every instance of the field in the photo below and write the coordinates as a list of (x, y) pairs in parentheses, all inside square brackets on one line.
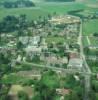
[(56, 40), (94, 41), (84, 40), (32, 13), (41, 9), (90, 27), (61, 7), (13, 79), (90, 41), (15, 89)]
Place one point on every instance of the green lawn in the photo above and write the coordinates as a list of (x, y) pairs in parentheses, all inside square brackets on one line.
[(61, 7), (13, 79), (90, 27), (53, 39), (41, 9), (85, 42), (88, 11), (32, 13), (94, 69), (94, 41)]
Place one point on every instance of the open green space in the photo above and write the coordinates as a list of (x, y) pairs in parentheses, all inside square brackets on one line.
[(94, 69), (94, 41), (61, 7), (53, 39), (13, 79), (41, 9), (84, 40), (15, 89), (88, 11), (90, 27), (31, 13)]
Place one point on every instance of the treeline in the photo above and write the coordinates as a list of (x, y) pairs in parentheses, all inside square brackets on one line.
[(83, 16), (60, 0), (18, 3), (76, 13), (12, 23)]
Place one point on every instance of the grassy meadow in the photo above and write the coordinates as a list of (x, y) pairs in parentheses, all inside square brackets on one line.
[(90, 27), (41, 9)]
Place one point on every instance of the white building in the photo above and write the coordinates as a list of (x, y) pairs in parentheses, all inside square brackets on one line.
[(75, 63), (30, 40), (33, 50)]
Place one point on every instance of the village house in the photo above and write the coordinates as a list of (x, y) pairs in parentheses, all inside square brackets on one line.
[(75, 62), (30, 40), (19, 59), (68, 19), (33, 50), (93, 47), (62, 91), (33, 74), (53, 60), (73, 55)]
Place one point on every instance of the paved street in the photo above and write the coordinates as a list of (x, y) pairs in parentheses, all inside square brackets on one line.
[(86, 67)]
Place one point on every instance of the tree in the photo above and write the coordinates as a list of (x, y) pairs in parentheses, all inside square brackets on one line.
[(92, 95), (49, 16), (61, 0), (29, 3), (71, 82), (50, 79), (46, 87), (86, 49), (36, 59), (44, 92), (20, 45), (67, 97), (1, 29), (95, 85), (95, 34), (10, 23), (22, 22), (22, 95), (18, 3), (74, 96), (4, 59), (79, 92), (20, 32), (8, 4)]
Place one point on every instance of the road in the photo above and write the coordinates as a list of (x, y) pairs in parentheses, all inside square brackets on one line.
[(86, 67), (69, 71), (89, 43)]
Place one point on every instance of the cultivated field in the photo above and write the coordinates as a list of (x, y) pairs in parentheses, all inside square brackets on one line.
[(41, 9), (90, 27)]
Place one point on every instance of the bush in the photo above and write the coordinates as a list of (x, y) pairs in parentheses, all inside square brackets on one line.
[(22, 95)]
